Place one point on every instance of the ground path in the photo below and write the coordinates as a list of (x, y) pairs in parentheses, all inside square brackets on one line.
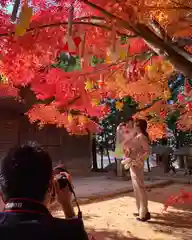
[(112, 218)]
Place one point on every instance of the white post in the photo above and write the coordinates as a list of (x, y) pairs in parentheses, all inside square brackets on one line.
[(119, 168)]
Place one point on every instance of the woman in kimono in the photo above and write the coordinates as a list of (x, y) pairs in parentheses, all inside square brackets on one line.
[(137, 150)]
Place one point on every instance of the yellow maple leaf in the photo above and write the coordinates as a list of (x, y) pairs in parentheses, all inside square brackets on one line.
[(70, 118), (88, 85), (95, 102), (166, 94), (119, 105)]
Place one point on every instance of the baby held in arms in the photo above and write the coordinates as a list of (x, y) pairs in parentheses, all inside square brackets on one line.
[(128, 139), (2, 204), (133, 150)]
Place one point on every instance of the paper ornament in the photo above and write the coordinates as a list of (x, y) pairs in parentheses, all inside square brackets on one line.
[(24, 20), (89, 85), (70, 118), (83, 119), (100, 82), (113, 53)]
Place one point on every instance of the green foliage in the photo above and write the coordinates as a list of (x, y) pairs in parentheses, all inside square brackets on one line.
[(68, 62)]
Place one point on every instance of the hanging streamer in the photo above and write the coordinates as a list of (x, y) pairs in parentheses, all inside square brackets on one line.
[(69, 39), (24, 20), (127, 62), (113, 52), (82, 50)]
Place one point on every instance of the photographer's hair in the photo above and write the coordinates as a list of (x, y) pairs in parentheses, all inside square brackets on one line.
[(26, 172), (142, 124)]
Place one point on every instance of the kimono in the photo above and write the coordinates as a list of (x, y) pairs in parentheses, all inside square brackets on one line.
[(137, 150)]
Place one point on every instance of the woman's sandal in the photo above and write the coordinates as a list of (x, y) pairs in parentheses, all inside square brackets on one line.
[(146, 218)]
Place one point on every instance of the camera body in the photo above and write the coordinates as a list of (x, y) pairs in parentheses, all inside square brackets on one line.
[(61, 179)]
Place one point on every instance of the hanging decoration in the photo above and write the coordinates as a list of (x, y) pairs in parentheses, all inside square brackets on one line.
[(24, 20), (68, 40), (113, 53), (29, 60), (70, 117), (89, 85), (83, 119), (100, 82)]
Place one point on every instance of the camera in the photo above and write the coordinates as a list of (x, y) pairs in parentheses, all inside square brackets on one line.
[(63, 182), (61, 179)]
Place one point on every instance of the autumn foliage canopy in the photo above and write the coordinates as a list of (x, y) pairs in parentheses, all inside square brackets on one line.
[(142, 43)]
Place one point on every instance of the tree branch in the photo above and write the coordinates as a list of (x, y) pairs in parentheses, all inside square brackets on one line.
[(65, 23), (177, 56), (148, 105), (181, 59)]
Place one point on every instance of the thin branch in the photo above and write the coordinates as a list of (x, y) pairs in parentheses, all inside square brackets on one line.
[(90, 18), (148, 105), (167, 8), (110, 15), (181, 5), (65, 23)]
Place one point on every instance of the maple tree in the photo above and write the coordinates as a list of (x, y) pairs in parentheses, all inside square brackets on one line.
[(142, 44)]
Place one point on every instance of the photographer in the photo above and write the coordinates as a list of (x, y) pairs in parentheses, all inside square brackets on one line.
[(27, 185)]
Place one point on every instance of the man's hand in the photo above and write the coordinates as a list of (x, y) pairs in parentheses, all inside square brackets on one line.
[(64, 197)]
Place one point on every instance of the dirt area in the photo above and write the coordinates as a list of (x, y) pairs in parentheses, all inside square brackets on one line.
[(112, 218)]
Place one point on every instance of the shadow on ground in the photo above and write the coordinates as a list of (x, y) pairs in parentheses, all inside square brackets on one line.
[(110, 235), (174, 223), (159, 195)]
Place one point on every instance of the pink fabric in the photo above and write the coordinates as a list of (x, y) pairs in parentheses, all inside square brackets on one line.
[(136, 148), (2, 204)]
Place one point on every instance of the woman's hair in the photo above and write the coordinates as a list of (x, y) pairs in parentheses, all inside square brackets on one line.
[(142, 124)]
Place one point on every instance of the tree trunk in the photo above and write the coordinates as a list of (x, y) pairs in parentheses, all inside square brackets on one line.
[(94, 155), (181, 162), (166, 164), (102, 155)]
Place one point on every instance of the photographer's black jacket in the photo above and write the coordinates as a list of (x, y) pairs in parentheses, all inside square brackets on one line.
[(36, 223)]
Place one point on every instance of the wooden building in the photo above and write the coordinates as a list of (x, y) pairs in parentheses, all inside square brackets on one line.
[(73, 151)]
